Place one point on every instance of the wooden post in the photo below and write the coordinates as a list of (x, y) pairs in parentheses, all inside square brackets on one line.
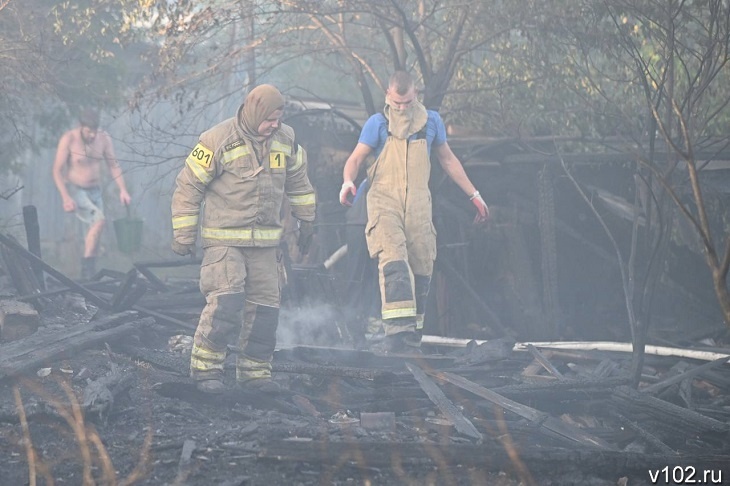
[(33, 235)]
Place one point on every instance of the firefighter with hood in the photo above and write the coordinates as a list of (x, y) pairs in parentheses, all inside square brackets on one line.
[(231, 189), (399, 231)]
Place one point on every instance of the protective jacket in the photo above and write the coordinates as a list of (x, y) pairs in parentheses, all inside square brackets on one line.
[(241, 196)]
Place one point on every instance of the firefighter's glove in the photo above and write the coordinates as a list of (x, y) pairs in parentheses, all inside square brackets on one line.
[(183, 249), (348, 188), (482, 209), (306, 232)]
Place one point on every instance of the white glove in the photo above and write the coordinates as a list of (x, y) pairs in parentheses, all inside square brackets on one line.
[(348, 187), (482, 208)]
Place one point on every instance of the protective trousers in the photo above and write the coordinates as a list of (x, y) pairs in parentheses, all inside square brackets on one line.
[(233, 279), (400, 233)]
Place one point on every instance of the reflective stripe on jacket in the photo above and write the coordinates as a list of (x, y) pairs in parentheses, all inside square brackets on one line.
[(241, 197)]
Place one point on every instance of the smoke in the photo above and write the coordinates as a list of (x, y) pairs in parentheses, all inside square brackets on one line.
[(313, 324)]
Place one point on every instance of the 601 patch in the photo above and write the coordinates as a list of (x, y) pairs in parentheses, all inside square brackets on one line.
[(201, 155)]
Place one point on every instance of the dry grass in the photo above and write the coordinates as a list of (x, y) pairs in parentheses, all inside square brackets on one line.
[(91, 450)]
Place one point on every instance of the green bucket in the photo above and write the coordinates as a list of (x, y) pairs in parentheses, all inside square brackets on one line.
[(129, 233)]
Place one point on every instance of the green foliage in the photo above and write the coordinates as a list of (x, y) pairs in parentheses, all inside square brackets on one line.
[(57, 56), (578, 68)]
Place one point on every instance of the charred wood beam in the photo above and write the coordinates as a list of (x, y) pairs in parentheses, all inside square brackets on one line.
[(548, 249), (565, 389), (542, 359), (109, 273), (174, 362), (34, 351), (667, 413), (658, 387), (383, 376), (153, 279), (647, 436), (402, 405), (716, 378), (20, 272), (446, 406), (33, 236), (131, 298), (92, 286), (164, 318), (92, 297), (124, 288), (144, 269), (541, 418)]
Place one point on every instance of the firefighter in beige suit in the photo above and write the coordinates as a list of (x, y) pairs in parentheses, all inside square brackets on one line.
[(400, 231), (232, 186)]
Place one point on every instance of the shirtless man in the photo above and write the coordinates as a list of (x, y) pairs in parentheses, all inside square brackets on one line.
[(77, 174)]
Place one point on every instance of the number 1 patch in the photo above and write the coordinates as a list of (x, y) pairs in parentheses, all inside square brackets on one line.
[(201, 155), (277, 160)]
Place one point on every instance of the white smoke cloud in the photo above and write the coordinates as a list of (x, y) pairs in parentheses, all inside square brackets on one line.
[(314, 324)]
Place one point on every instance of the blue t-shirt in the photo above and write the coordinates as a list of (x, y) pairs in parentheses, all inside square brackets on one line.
[(375, 132)]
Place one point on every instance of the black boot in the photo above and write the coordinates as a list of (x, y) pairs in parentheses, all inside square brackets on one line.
[(404, 342), (88, 268)]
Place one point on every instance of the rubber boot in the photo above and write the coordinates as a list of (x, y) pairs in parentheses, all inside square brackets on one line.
[(253, 374), (88, 268)]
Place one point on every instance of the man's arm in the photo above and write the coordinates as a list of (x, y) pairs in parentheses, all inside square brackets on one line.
[(59, 165), (351, 170), (453, 168), (115, 170)]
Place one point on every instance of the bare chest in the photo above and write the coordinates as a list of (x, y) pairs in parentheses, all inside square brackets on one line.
[(84, 155)]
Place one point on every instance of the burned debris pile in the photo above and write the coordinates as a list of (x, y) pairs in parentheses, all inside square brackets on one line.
[(490, 412)]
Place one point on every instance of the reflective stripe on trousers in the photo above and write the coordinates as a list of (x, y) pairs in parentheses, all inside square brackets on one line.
[(232, 278)]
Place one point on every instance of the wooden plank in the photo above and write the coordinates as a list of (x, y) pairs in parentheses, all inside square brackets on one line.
[(647, 436), (36, 350), (92, 297), (673, 416), (92, 286), (151, 277), (132, 297), (540, 418), (164, 317), (33, 237), (657, 387), (533, 369), (461, 423), (20, 271), (129, 279), (575, 389), (542, 359)]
